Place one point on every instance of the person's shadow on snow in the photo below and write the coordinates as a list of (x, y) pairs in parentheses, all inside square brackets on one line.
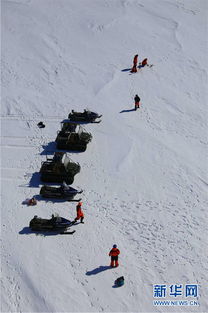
[(125, 111), (126, 70), (98, 270)]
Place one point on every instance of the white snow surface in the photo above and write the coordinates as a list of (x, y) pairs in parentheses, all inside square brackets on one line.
[(144, 174)]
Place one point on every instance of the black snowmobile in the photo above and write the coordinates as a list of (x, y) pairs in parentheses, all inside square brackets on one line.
[(73, 140), (86, 116), (59, 169), (62, 192), (56, 223)]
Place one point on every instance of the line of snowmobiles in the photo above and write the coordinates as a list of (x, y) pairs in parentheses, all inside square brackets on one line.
[(60, 169)]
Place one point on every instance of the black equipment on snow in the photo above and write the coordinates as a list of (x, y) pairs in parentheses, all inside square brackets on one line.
[(59, 169), (73, 140), (119, 281), (86, 116), (53, 224), (41, 125), (62, 192)]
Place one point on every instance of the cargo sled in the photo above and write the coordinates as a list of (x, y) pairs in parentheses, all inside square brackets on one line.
[(59, 169), (76, 140)]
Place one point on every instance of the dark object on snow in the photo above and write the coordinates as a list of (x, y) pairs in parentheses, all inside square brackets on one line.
[(59, 169), (41, 125), (72, 140), (119, 281), (67, 126), (86, 116), (62, 192), (53, 224)]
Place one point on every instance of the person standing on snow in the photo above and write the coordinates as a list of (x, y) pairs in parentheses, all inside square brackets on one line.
[(80, 214), (135, 61), (136, 100), (114, 256)]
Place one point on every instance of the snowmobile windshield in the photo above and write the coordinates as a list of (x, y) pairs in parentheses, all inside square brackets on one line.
[(66, 162), (70, 166), (80, 131)]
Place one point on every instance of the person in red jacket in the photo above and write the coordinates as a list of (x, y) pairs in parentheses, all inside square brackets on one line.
[(114, 256), (135, 61), (80, 214)]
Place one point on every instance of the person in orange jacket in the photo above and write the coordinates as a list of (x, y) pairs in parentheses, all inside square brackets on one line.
[(135, 61), (144, 62), (80, 214), (114, 256)]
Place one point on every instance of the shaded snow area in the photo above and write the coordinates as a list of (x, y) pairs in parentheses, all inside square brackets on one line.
[(143, 175)]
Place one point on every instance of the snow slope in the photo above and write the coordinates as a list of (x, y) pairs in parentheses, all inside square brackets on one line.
[(144, 174)]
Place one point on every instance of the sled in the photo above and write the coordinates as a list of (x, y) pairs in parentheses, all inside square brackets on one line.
[(59, 169)]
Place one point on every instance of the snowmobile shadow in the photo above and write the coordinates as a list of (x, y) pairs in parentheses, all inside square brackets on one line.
[(125, 111), (126, 70), (98, 270), (49, 149), (70, 151), (54, 200), (25, 231), (28, 231), (35, 180), (75, 122)]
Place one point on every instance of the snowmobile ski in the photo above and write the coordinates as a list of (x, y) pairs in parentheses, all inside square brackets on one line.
[(74, 200), (67, 232), (94, 122)]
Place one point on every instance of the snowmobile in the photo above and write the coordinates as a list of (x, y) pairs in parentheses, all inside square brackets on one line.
[(72, 140), (59, 169), (86, 116), (56, 223), (62, 192)]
